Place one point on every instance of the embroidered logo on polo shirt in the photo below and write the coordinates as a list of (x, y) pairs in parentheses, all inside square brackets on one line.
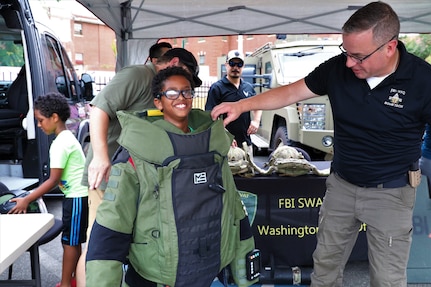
[(395, 98), (245, 93)]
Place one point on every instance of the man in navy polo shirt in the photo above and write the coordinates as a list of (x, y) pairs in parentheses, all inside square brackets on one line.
[(232, 88), (381, 100)]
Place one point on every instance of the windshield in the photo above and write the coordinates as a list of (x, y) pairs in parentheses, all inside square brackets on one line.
[(296, 62)]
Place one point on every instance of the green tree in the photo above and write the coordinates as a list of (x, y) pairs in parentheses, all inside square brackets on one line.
[(11, 54), (419, 45)]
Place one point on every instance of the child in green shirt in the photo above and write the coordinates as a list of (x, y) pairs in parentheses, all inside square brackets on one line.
[(66, 167)]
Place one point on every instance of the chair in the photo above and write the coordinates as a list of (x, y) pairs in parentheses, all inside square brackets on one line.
[(11, 131), (17, 97)]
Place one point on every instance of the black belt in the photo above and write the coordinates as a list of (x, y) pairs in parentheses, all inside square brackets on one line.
[(395, 183)]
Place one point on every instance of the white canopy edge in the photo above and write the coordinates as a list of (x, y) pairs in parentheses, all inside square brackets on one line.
[(140, 23)]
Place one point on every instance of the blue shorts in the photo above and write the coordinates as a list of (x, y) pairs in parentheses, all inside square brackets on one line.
[(75, 221)]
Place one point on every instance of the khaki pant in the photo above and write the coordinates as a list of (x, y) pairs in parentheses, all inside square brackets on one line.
[(388, 214), (95, 197)]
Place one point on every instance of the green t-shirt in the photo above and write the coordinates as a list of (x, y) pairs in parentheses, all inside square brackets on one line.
[(66, 153), (129, 90)]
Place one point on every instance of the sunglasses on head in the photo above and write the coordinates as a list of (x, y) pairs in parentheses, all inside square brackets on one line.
[(238, 64)]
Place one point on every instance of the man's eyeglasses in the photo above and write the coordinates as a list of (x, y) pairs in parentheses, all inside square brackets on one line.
[(359, 60), (175, 94), (238, 64)]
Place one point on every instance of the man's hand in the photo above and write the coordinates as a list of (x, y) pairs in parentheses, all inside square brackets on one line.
[(231, 109), (98, 170), (253, 127), (20, 207), (100, 165)]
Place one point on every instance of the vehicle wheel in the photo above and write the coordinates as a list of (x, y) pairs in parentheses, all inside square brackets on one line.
[(85, 147), (282, 137)]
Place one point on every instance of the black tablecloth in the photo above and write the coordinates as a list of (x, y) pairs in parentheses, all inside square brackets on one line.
[(285, 222)]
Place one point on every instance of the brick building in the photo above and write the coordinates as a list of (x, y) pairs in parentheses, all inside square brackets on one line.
[(93, 45), (89, 43), (208, 49)]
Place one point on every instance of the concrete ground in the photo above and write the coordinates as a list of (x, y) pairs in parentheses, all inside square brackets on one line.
[(356, 273)]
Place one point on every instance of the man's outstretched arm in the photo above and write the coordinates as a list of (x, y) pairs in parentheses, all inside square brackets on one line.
[(270, 100)]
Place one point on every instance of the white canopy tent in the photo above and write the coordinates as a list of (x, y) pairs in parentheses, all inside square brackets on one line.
[(140, 23)]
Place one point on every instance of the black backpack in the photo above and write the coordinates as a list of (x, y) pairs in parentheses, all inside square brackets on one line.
[(37, 206)]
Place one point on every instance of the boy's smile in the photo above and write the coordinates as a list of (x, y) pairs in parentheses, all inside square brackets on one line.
[(176, 110)]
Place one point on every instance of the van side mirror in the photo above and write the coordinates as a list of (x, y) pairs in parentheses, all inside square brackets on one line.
[(60, 82), (87, 86)]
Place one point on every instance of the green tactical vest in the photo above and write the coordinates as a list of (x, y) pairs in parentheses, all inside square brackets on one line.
[(190, 215)]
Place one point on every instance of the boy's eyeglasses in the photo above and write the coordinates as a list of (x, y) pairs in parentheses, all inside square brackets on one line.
[(359, 60), (175, 94), (238, 64)]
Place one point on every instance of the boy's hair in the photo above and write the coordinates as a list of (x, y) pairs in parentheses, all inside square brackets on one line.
[(51, 103), (160, 78)]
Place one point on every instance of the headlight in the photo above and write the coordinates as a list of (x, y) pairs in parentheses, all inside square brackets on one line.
[(313, 116), (327, 141)]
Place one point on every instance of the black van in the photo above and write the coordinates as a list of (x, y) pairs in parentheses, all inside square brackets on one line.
[(32, 63)]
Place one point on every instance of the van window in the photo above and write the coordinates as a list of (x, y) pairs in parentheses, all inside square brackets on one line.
[(71, 75), (13, 97), (11, 53), (268, 67), (11, 62), (54, 68)]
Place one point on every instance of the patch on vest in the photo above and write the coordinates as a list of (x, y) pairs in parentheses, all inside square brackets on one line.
[(200, 177)]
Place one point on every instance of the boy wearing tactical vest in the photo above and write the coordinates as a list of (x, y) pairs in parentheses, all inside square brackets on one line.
[(171, 210)]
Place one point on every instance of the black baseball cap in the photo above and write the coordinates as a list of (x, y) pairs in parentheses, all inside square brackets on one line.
[(187, 59)]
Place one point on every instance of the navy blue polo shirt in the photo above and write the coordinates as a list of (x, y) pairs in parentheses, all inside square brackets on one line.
[(225, 91), (378, 132)]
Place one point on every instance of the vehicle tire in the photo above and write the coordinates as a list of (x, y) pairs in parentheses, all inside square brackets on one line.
[(304, 153), (282, 137), (85, 148)]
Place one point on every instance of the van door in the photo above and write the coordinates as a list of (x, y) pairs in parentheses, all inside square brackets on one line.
[(32, 63)]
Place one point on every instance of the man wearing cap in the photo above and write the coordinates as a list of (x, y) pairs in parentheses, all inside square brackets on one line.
[(232, 88), (129, 89), (157, 50)]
